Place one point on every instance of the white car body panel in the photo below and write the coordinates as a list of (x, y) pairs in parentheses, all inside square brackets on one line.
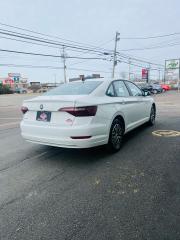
[(58, 132)]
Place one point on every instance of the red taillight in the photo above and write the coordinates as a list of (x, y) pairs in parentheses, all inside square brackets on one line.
[(24, 109), (80, 111)]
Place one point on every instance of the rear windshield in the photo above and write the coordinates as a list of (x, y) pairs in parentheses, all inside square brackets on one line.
[(75, 88)]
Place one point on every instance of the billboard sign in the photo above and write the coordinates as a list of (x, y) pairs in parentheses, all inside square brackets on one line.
[(8, 81), (145, 73), (172, 71), (14, 75), (172, 64)]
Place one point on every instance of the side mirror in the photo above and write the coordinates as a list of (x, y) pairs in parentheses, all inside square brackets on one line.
[(146, 93)]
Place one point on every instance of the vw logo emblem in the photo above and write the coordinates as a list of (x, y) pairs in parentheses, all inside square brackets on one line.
[(41, 106)]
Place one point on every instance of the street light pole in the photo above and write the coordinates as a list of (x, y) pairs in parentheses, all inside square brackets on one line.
[(115, 53)]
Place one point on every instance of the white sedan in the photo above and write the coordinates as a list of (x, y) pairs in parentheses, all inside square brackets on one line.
[(87, 113)]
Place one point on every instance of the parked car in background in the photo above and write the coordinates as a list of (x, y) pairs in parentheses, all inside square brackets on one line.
[(165, 87), (145, 87), (87, 113), (156, 88), (20, 90)]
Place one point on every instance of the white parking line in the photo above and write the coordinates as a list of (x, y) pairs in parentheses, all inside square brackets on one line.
[(6, 107), (8, 124), (10, 118)]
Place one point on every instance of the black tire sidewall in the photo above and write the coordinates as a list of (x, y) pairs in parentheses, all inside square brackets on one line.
[(110, 144), (150, 120), (155, 91)]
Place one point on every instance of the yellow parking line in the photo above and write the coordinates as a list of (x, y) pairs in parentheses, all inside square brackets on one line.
[(166, 133)]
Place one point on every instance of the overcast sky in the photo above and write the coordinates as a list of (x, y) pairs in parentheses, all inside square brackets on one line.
[(90, 22)]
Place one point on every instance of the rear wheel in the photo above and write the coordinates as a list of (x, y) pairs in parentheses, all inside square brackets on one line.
[(152, 117), (116, 135)]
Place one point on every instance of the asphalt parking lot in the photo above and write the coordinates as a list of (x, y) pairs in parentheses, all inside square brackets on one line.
[(53, 193)]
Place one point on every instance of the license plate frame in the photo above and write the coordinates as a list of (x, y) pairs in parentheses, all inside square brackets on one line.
[(43, 116)]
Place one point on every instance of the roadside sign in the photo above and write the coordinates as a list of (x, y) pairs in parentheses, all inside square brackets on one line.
[(172, 64), (145, 73), (16, 79), (8, 81), (14, 75)]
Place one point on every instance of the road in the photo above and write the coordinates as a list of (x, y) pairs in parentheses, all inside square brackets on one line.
[(52, 193)]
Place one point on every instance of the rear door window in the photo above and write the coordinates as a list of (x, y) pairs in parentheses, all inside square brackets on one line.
[(134, 89), (120, 89)]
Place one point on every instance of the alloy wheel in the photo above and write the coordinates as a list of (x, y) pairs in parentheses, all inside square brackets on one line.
[(117, 134)]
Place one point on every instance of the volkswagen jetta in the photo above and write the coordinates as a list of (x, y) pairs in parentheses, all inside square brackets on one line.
[(87, 113)]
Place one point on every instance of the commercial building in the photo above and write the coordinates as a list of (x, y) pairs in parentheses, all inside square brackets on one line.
[(14, 80)]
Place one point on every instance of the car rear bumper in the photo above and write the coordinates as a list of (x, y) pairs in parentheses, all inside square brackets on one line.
[(61, 136)]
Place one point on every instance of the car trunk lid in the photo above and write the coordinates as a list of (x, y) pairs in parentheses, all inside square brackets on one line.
[(48, 108)]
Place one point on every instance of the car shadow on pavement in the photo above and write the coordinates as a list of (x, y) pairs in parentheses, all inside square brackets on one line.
[(91, 155), (137, 132), (78, 156)]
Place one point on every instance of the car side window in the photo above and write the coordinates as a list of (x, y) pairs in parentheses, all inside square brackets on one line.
[(134, 89), (110, 91), (120, 89)]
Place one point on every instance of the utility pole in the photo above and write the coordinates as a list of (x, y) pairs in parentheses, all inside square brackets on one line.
[(148, 78), (165, 73), (159, 71), (55, 79), (115, 53), (179, 77), (129, 69), (64, 65)]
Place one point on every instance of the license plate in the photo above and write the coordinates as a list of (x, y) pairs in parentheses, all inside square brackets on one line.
[(43, 116)]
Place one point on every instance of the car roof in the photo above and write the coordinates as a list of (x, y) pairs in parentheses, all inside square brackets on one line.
[(100, 79)]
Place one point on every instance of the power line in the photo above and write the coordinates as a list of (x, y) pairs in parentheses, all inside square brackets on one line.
[(59, 56), (149, 48), (139, 60), (12, 33), (49, 41), (137, 65), (43, 34), (49, 55), (151, 37), (53, 43), (56, 44), (34, 43), (94, 48), (51, 67)]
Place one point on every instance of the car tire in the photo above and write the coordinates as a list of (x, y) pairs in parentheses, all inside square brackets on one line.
[(152, 117), (116, 136), (155, 91)]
